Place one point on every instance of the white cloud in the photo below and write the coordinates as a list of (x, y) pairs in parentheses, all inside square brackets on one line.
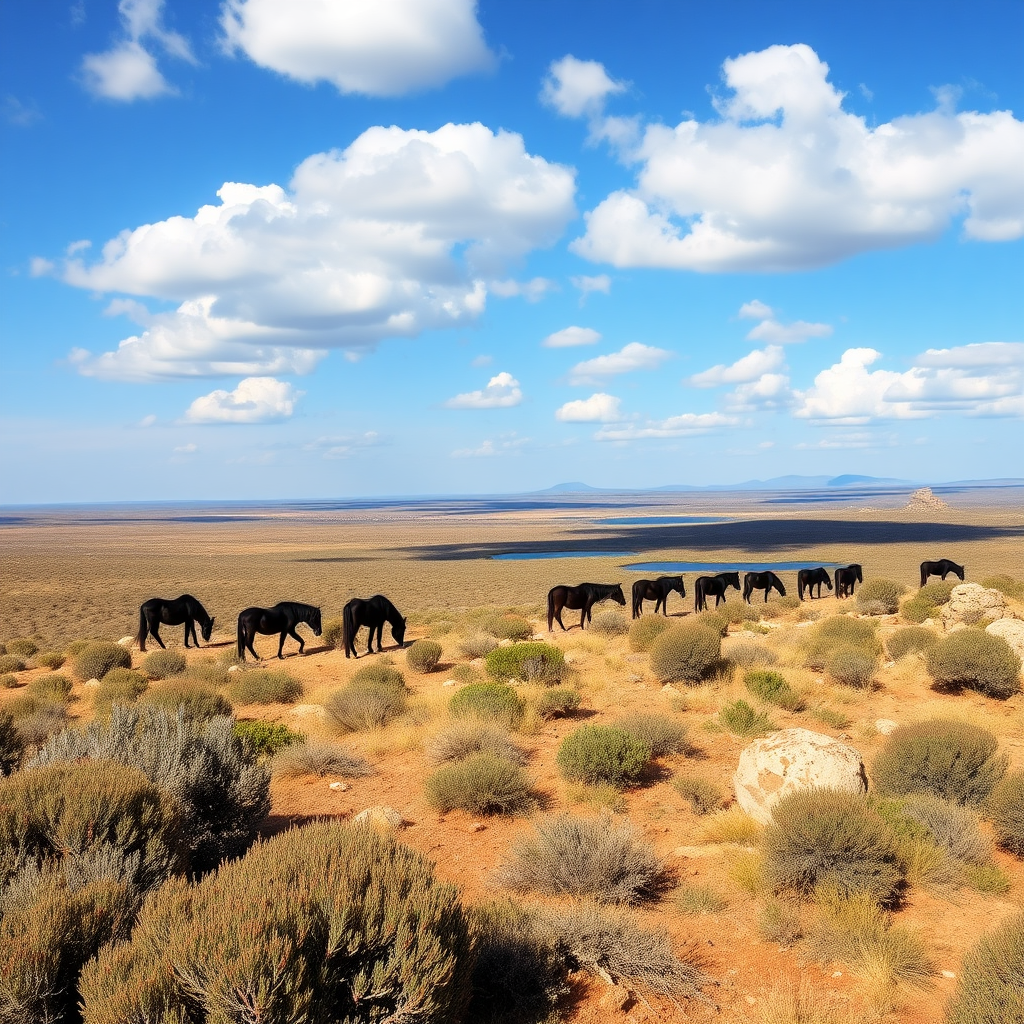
[(373, 47), (570, 337), (787, 179), (128, 71), (633, 356), (578, 87), (187, 449), (533, 290), (749, 368), (755, 310), (502, 392), (255, 400), (686, 425), (598, 408), (980, 354), (390, 237), (769, 391), (586, 284), (148, 421), (786, 334)]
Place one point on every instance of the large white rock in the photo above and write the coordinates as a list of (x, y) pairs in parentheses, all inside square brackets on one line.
[(970, 605), (380, 817), (791, 760), (1012, 631)]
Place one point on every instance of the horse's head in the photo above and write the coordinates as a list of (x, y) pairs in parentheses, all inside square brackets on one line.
[(207, 628), (860, 573), (398, 632), (732, 579), (617, 596), (828, 582), (314, 621), (778, 584), (960, 571), (682, 586)]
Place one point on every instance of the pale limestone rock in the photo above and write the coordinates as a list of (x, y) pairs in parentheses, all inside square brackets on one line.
[(793, 760), (379, 816), (305, 710), (886, 726), (126, 641), (971, 605), (234, 668), (1012, 631), (91, 683)]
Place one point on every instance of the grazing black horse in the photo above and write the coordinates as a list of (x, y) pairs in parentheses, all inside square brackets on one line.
[(943, 567), (584, 597), (656, 591), (373, 613), (808, 579), (766, 581), (282, 618), (846, 578), (185, 609), (717, 585)]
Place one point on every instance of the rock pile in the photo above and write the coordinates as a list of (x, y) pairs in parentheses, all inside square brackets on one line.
[(972, 605)]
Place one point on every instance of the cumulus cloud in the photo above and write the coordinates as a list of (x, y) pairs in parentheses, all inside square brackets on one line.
[(255, 400), (570, 337), (786, 179), (686, 425), (634, 356), (598, 408), (749, 368), (755, 310), (502, 392), (979, 354), (373, 47), (533, 290), (587, 284), (578, 87), (769, 391), (390, 237), (787, 334), (128, 71)]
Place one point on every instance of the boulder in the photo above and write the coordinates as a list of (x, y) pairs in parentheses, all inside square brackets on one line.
[(886, 726), (379, 817), (1012, 631), (970, 605), (792, 760)]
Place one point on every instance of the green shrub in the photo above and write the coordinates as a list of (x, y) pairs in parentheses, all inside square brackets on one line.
[(909, 640), (379, 673), (991, 985), (207, 673), (601, 753), (12, 746), (938, 591), (823, 837), (645, 630), (333, 634), (470, 736), (319, 759), (736, 611), (779, 921), (1006, 806), (881, 592), (482, 783), (610, 622), (50, 687), (826, 637), (741, 719), (1006, 585), (75, 648), (478, 646), (424, 656), (264, 686), (748, 653), (977, 660), (22, 648), (9, 663), (119, 686), (704, 794), (831, 716), (99, 657), (851, 666), (466, 674), (9, 681), (265, 738), (367, 702), (772, 688), (713, 619), (496, 701), (557, 702), (530, 662), (508, 627), (664, 735), (595, 858), (918, 609), (321, 922), (953, 760), (52, 660), (161, 664), (694, 900), (685, 653), (195, 702)]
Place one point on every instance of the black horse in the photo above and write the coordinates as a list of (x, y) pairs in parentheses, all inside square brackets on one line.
[(846, 579), (943, 567), (766, 581), (656, 591), (373, 613), (282, 618), (185, 609), (808, 579), (717, 585), (584, 597)]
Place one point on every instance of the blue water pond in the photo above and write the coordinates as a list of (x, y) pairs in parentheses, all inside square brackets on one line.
[(710, 567), (521, 556)]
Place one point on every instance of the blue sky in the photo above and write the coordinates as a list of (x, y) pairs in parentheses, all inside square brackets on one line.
[(480, 248)]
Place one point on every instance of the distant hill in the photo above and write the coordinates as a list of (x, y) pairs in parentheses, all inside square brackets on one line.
[(877, 481)]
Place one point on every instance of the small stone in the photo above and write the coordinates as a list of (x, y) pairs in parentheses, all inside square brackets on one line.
[(234, 668), (889, 664), (305, 710), (947, 974), (477, 826), (126, 641), (670, 690), (91, 683), (837, 974), (886, 726), (504, 643), (341, 786), (379, 817), (751, 1001), (448, 682)]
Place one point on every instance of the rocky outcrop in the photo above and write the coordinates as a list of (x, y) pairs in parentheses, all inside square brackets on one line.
[(924, 500), (792, 760), (381, 817), (971, 605), (1012, 631)]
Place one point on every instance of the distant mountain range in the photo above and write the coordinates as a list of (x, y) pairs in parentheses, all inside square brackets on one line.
[(778, 483)]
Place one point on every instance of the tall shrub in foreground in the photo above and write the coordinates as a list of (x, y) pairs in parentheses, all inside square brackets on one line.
[(1006, 806), (685, 653), (598, 754), (99, 657), (991, 985), (976, 660)]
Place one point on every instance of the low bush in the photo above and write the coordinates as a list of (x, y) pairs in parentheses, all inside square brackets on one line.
[(366, 704), (207, 673), (37, 718), (909, 640), (52, 660), (664, 735), (779, 921), (508, 627), (494, 701), (161, 664), (834, 633), (482, 783), (823, 837), (602, 754), (1006, 585), (322, 916), (12, 746), (557, 702), (704, 794), (645, 630), (22, 648), (1006, 807), (469, 736), (851, 666), (977, 660), (694, 900), (50, 687), (991, 985), (9, 663), (265, 738), (264, 686), (379, 673), (773, 688), (741, 719), (333, 634), (316, 758), (597, 858), (424, 656), (730, 826), (749, 653), (195, 702), (831, 716), (75, 648), (713, 619), (466, 674), (737, 611), (99, 657), (685, 653), (9, 681), (883, 592), (479, 645), (953, 828), (610, 622), (917, 609), (530, 662), (119, 686)]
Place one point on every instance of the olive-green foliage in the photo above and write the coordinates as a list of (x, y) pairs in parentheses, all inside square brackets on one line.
[(831, 716), (531, 662), (118, 686), (50, 687), (1006, 807), (22, 648), (265, 738), (830, 635), (467, 674), (909, 640), (596, 858), (508, 627), (99, 657), (693, 900), (953, 760), (264, 686), (333, 634), (1006, 585), (879, 591), (742, 720), (9, 663), (704, 794), (977, 660), (373, 697), (207, 673), (52, 660), (953, 828), (161, 664), (479, 645), (496, 701), (12, 746), (938, 591), (685, 653), (9, 681), (36, 718), (664, 735), (470, 736), (482, 783), (851, 666), (772, 688), (824, 837), (991, 985), (737, 610), (749, 653), (321, 759), (645, 630), (381, 672), (779, 921), (195, 701), (557, 702), (424, 655), (600, 753), (713, 618), (610, 622), (321, 922), (917, 609), (75, 648)]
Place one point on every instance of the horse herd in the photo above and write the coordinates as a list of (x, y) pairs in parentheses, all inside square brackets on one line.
[(374, 612)]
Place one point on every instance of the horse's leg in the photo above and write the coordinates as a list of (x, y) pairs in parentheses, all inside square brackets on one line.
[(250, 640), (584, 611), (558, 615), (302, 643), (155, 633)]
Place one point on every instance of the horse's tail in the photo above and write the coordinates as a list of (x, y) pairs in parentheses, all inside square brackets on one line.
[(140, 639), (346, 628), (241, 639), (551, 608), (800, 585)]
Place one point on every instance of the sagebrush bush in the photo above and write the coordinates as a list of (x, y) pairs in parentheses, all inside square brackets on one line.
[(119, 686), (602, 754), (533, 662), (664, 735), (482, 783), (496, 701), (224, 948), (221, 788), (479, 645), (99, 657), (748, 653), (9, 663), (50, 687), (704, 794), (1006, 585), (977, 660), (610, 622), (508, 627), (37, 718), (742, 720), (990, 989), (952, 760), (333, 634), (824, 638), (597, 858), (381, 673), (645, 630), (424, 655), (953, 828), (265, 738), (713, 619), (693, 900), (1006, 807), (470, 736), (264, 686), (851, 666), (557, 702), (823, 837), (736, 611), (22, 647), (366, 703), (316, 758), (909, 640), (917, 609), (773, 688), (52, 660), (12, 746), (194, 701), (886, 593), (207, 673), (75, 647), (161, 664), (685, 653), (9, 681)]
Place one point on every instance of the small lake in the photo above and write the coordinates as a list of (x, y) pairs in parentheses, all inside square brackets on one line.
[(710, 567), (522, 556), (661, 520)]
